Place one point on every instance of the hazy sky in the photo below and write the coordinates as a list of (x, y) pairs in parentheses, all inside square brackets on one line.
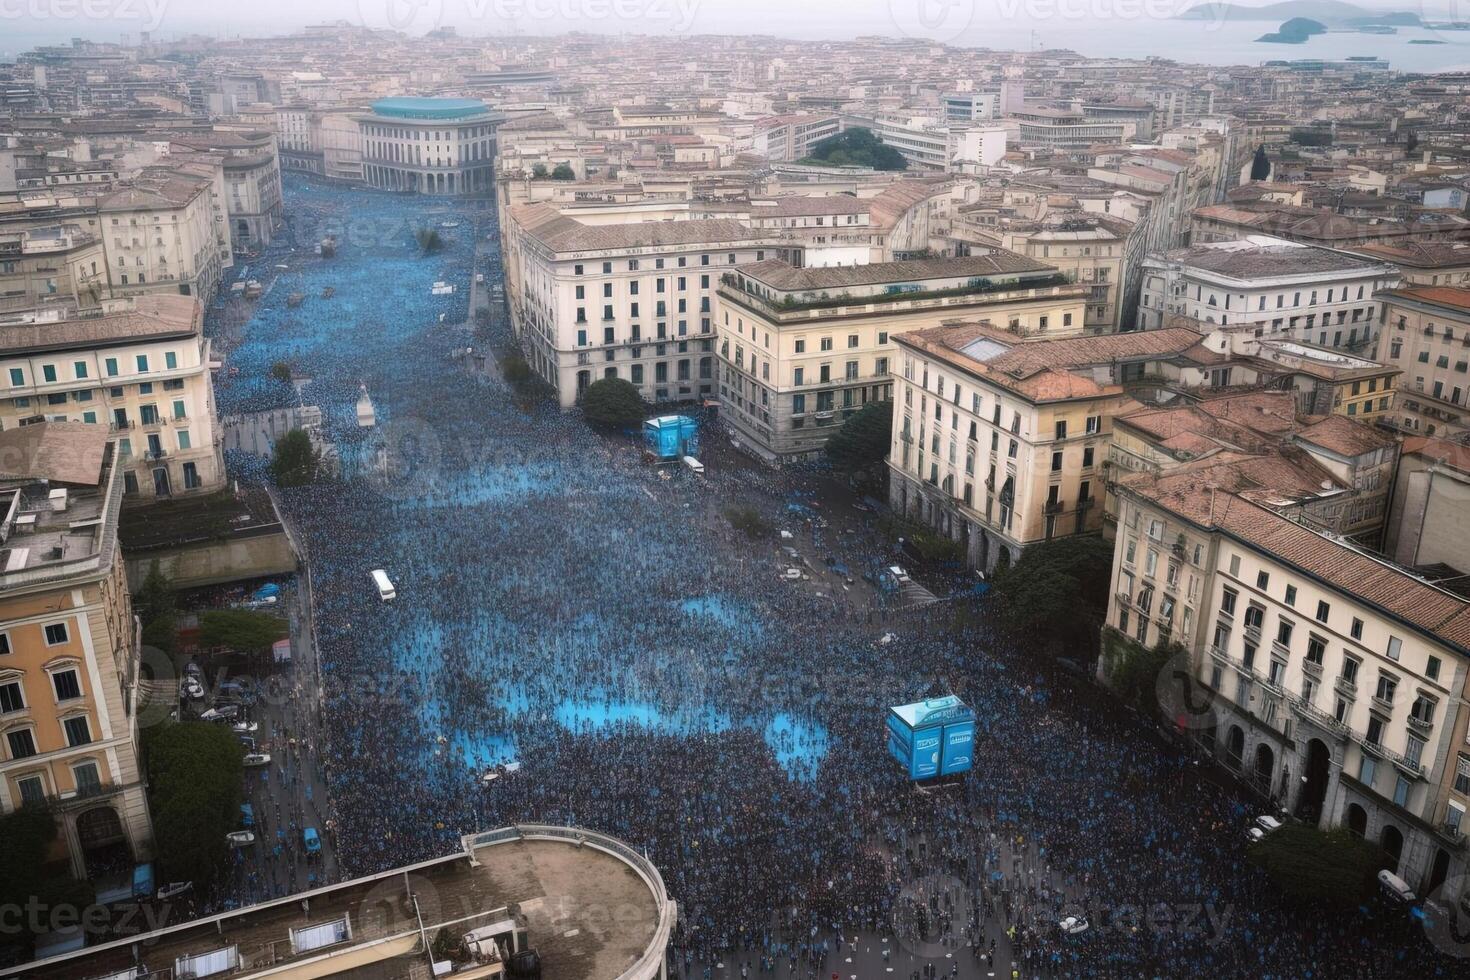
[(995, 23)]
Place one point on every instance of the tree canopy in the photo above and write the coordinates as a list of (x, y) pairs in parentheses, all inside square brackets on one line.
[(857, 147), (1057, 593), (157, 609), (196, 785), (1332, 867), (612, 403), (295, 459), (25, 844), (538, 171), (241, 629), (563, 171), (864, 437)]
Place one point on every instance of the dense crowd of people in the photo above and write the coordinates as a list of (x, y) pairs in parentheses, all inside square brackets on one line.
[(561, 606)]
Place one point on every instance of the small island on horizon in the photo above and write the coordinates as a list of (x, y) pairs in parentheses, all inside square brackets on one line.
[(1294, 31)]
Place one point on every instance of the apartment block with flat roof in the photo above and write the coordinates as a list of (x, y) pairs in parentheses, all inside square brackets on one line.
[(1426, 335), (800, 350), (69, 648)]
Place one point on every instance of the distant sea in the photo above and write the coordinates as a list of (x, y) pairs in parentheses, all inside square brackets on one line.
[(1198, 42), (1231, 43)]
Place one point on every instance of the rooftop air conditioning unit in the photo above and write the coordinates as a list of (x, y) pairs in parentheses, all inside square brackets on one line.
[(58, 500)]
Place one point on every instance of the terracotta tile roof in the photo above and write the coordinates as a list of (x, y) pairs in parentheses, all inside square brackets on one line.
[(563, 234), (1166, 425), (1445, 296), (62, 452), (1041, 370), (1344, 436), (150, 317), (1263, 411), (1451, 454), (1197, 495), (1378, 582)]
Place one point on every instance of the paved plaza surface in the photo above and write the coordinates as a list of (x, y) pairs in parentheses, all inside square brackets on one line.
[(567, 607)]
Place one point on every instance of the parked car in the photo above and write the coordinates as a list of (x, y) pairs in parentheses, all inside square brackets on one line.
[(245, 727), (240, 838), (247, 815), (220, 712), (1074, 925), (256, 759), (313, 842), (175, 888)]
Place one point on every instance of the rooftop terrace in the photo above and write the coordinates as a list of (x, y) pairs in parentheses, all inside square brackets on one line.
[(593, 909)]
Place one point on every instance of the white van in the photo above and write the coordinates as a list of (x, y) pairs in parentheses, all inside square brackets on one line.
[(694, 465), (384, 584), (1395, 887)]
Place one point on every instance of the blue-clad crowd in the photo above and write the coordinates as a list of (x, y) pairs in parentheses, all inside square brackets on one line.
[(562, 606)]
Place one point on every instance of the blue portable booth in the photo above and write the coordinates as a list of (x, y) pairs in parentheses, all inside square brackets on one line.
[(935, 737), (671, 436)]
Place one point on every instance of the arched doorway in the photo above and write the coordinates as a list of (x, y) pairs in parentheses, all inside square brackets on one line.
[(1003, 560), (1265, 761), (1393, 843), (103, 843), (1438, 871), (1357, 820), (1234, 747), (1314, 782)]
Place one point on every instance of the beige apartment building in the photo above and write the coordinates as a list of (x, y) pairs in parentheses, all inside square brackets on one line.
[(69, 650), (633, 300), (1000, 442), (1335, 681), (159, 233), (1426, 335), (802, 349), (60, 264), (138, 369)]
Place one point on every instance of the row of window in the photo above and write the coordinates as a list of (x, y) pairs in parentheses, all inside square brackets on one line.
[(32, 786), (1296, 298), (81, 370), (66, 683), (680, 282), (660, 309), (635, 264)]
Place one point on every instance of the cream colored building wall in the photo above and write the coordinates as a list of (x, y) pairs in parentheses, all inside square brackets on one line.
[(110, 393), (101, 648), (1404, 342)]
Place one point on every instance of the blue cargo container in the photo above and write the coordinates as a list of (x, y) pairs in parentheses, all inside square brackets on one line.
[(671, 436), (932, 738)]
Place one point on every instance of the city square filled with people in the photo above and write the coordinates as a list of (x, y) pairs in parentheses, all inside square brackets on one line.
[(581, 637)]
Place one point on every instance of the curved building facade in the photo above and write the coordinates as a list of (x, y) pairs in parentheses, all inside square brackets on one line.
[(589, 905), (429, 145)]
